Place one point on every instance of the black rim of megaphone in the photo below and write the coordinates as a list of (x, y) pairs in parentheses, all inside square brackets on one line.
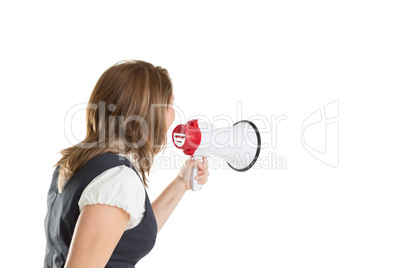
[(258, 147)]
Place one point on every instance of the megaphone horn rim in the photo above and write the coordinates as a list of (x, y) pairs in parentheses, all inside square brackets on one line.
[(258, 147)]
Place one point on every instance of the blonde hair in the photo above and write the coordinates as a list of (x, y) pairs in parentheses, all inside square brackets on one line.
[(126, 115)]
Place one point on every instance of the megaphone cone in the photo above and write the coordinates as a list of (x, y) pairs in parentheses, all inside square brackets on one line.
[(239, 145)]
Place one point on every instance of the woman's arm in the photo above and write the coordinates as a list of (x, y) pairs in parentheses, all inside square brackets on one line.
[(168, 200), (97, 232)]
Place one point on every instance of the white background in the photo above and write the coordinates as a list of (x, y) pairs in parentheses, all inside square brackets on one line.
[(276, 57)]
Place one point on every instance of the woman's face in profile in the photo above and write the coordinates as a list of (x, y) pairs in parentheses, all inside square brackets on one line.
[(170, 114)]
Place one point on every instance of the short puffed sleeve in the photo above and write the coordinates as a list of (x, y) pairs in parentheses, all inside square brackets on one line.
[(119, 186)]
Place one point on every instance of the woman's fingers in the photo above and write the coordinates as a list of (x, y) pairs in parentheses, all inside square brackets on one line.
[(202, 176), (202, 165), (205, 162), (202, 173), (202, 180)]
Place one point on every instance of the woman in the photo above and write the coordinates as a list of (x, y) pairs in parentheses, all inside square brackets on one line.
[(99, 214)]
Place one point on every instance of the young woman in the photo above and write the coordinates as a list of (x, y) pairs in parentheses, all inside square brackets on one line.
[(99, 214)]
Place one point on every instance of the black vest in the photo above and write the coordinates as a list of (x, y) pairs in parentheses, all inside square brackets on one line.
[(63, 211)]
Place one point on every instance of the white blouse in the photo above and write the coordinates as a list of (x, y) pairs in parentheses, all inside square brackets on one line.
[(119, 186)]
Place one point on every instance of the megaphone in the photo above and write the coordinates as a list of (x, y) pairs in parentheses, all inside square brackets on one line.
[(239, 145)]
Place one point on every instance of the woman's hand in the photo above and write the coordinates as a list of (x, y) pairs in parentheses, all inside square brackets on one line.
[(167, 201), (202, 175)]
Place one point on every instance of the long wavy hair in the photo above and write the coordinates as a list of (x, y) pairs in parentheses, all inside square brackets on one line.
[(126, 114)]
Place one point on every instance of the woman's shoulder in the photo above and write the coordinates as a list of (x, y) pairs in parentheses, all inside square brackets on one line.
[(117, 175)]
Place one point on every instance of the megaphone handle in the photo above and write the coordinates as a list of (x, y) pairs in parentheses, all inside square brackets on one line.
[(195, 186)]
